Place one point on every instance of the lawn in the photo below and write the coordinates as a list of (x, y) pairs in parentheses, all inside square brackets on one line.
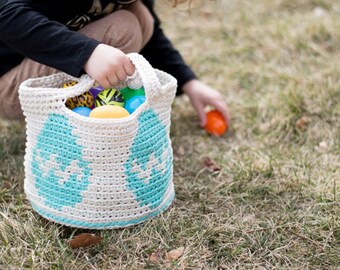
[(271, 200)]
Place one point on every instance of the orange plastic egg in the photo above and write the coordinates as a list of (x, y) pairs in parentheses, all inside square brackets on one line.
[(216, 125), (109, 111)]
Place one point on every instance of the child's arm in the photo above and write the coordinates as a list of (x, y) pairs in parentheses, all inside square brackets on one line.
[(30, 33), (162, 55)]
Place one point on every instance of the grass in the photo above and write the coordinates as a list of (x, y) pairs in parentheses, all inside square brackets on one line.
[(275, 202)]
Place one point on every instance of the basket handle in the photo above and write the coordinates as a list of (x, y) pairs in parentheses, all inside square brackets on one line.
[(49, 87), (144, 75)]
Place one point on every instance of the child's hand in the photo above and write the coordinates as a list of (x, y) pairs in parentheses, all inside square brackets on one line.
[(201, 95), (108, 66)]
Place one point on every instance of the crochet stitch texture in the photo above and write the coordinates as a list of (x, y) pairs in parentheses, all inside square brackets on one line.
[(98, 173)]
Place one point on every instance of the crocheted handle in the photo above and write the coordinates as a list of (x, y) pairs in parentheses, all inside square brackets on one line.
[(49, 88), (144, 75)]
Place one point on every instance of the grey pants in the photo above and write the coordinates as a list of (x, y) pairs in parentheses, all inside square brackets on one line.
[(126, 29)]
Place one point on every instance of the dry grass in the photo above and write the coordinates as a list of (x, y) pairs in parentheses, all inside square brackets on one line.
[(275, 203)]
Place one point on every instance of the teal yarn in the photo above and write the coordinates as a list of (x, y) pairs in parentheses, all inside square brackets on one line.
[(104, 225), (55, 150), (98, 173), (151, 141)]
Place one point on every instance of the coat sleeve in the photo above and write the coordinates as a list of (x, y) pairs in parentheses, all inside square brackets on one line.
[(161, 53), (31, 34)]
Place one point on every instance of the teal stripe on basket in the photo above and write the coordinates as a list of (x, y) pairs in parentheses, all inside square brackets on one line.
[(102, 225)]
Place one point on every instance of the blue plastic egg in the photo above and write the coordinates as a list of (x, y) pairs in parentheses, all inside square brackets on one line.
[(84, 111), (133, 103)]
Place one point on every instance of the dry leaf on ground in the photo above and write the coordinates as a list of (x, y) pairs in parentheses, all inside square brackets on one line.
[(85, 240), (157, 256), (174, 254), (302, 123), (160, 255), (211, 165)]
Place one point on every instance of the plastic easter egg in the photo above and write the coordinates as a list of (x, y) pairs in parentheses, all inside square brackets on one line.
[(216, 125), (69, 84), (129, 93), (133, 103), (110, 96), (95, 91), (109, 111), (85, 99), (83, 111)]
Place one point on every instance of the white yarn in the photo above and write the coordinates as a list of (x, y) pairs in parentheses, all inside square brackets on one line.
[(98, 173)]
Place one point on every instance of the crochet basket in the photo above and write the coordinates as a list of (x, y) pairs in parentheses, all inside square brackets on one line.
[(98, 173)]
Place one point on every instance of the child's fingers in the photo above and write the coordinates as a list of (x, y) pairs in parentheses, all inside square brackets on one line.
[(103, 81), (199, 108), (121, 74), (129, 68), (113, 80), (201, 114), (203, 119), (223, 109)]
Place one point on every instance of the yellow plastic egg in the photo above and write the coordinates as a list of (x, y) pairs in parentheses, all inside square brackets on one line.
[(109, 111)]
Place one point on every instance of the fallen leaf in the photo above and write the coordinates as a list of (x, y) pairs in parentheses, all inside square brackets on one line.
[(157, 256), (302, 123), (207, 13), (210, 165), (174, 254), (85, 240)]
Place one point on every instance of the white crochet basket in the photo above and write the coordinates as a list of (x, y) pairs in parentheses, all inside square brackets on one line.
[(98, 173)]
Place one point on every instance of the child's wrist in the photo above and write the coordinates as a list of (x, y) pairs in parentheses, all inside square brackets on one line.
[(190, 86)]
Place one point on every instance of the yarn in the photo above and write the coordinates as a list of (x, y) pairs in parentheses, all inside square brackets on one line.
[(98, 173)]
